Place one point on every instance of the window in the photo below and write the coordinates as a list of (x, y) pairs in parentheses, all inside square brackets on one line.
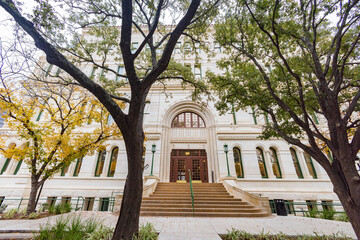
[(100, 163), (78, 167), (296, 163), (64, 170), (289, 205), (39, 116), (113, 159), (261, 162), (311, 205), (197, 71), (48, 71), (51, 201), (134, 47), (5, 166), (188, 120), (310, 165), (93, 71), (327, 205), (197, 47), (120, 71), (104, 204), (18, 165), (217, 47), (58, 71), (65, 200), (7, 161), (2, 198), (177, 47), (187, 47), (238, 162), (110, 120), (275, 163), (88, 204), (315, 118)]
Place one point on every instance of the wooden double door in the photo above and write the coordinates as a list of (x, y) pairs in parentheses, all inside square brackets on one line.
[(185, 161)]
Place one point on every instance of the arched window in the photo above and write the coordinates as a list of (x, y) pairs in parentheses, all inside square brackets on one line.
[(238, 162), (296, 163), (113, 159), (188, 120), (7, 161), (78, 166), (110, 120), (261, 162), (100, 163), (310, 165), (275, 163)]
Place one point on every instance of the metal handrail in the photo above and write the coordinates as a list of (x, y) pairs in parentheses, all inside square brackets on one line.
[(192, 193)]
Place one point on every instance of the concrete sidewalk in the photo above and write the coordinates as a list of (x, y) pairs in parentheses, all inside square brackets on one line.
[(174, 228)]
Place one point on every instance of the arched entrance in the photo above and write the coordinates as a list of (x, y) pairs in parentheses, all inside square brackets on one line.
[(188, 142), (185, 161)]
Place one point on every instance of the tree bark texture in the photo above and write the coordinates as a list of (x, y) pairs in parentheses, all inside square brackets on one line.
[(128, 222), (32, 198)]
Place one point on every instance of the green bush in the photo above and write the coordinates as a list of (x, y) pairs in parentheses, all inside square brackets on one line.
[(343, 217), (60, 208), (327, 214), (33, 215), (146, 232), (10, 213), (311, 213), (235, 234), (73, 228)]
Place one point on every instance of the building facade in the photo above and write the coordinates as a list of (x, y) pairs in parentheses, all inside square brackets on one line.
[(182, 135)]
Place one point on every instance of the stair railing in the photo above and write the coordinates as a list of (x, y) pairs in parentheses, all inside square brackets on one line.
[(192, 193)]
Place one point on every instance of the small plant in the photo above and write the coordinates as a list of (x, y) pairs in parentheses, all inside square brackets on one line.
[(33, 215), (146, 232), (328, 214), (60, 208), (101, 233), (311, 213), (10, 213), (343, 217), (3, 208), (235, 234)]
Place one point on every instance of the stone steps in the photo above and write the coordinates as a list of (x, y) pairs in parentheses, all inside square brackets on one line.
[(210, 200)]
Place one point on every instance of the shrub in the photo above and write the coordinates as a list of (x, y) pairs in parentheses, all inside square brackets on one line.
[(73, 228), (33, 215), (343, 217), (60, 208), (146, 232), (311, 213), (235, 234), (327, 214), (10, 213)]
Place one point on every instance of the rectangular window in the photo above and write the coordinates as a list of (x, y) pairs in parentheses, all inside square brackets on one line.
[(177, 48), (88, 204), (104, 204), (197, 47), (93, 72), (134, 47), (121, 71), (327, 205), (64, 170), (48, 71), (58, 72), (217, 47), (39, 115), (197, 71), (187, 47), (51, 201), (289, 205), (311, 205), (78, 167), (65, 200)]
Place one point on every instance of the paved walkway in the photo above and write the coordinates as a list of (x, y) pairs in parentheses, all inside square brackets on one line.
[(174, 228)]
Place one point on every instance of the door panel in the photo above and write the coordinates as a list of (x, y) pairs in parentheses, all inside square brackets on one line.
[(184, 160)]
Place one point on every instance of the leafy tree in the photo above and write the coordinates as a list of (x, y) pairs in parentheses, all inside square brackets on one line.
[(103, 42), (49, 121), (295, 61)]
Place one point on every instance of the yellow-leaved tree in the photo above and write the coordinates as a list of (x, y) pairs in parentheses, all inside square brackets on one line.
[(52, 122)]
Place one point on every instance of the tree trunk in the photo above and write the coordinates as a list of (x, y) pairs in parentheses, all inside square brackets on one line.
[(32, 198), (348, 192), (128, 222)]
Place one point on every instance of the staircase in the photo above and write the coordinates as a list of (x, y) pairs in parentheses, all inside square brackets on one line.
[(211, 200)]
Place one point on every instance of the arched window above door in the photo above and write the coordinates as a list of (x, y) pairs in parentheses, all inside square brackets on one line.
[(188, 120)]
